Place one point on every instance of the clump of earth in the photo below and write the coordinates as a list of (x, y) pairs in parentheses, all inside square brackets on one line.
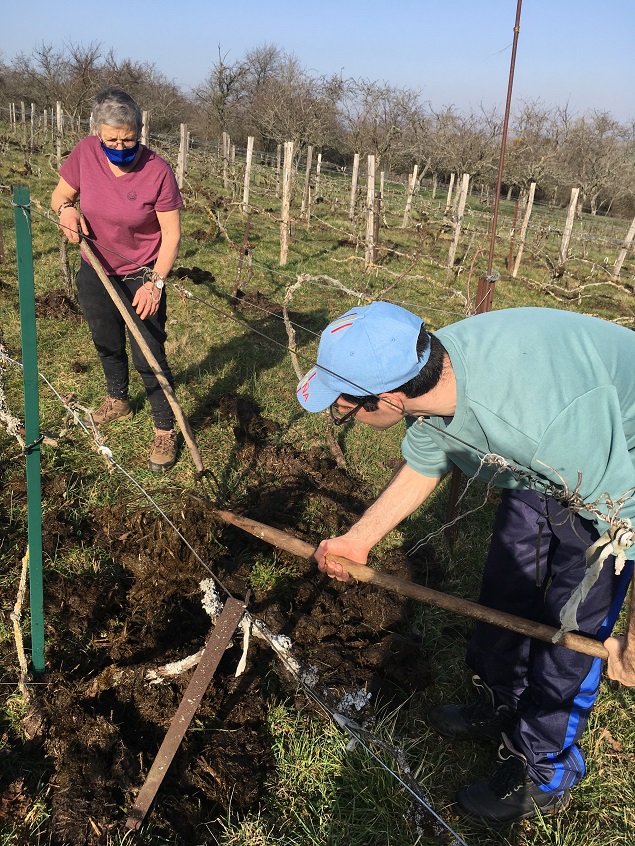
[(97, 723)]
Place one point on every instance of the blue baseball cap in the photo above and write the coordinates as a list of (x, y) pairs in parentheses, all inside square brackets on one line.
[(364, 352)]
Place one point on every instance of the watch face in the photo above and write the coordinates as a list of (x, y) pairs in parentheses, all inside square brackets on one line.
[(159, 283)]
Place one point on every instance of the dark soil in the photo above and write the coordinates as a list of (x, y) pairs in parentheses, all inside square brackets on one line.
[(97, 723)]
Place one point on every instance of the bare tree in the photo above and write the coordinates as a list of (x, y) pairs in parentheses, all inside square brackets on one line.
[(533, 145), (595, 158), (377, 118), (221, 95)]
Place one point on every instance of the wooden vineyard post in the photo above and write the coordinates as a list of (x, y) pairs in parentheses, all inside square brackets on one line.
[(59, 122), (225, 154), (351, 211), (412, 181), (568, 227), (369, 256), (318, 170), (448, 202), (510, 259), (376, 222), (145, 128), (304, 210), (626, 246), (181, 167), (278, 162), (248, 160), (523, 228), (286, 201), (459, 220)]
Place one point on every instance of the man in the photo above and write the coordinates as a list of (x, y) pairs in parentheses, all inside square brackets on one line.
[(541, 403)]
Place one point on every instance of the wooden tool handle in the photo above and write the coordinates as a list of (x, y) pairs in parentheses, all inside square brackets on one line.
[(283, 540)]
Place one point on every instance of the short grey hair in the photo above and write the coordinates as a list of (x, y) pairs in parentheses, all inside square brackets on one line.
[(114, 107)]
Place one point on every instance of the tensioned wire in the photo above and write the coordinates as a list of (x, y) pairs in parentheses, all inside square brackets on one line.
[(568, 498), (343, 723), (340, 720)]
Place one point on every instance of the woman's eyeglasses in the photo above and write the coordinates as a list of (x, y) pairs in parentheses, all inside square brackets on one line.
[(126, 143)]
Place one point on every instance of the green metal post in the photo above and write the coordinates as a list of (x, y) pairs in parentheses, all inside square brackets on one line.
[(24, 250)]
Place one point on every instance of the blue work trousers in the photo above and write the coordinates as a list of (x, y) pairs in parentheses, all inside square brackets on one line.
[(536, 559)]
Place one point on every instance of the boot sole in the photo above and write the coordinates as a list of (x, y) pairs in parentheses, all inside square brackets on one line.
[(157, 468)]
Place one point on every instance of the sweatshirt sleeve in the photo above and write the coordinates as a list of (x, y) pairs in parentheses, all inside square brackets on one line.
[(586, 445)]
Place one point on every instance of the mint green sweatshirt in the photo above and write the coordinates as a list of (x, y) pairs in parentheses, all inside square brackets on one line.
[(551, 391)]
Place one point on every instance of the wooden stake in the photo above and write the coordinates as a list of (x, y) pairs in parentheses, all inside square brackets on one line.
[(626, 246), (412, 181), (568, 227), (250, 153), (459, 220), (286, 202), (351, 212), (523, 228), (370, 212), (304, 210), (181, 167)]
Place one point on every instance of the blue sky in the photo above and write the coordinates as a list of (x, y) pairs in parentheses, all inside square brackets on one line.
[(454, 51)]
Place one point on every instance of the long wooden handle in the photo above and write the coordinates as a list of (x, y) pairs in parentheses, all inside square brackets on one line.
[(183, 422), (283, 540)]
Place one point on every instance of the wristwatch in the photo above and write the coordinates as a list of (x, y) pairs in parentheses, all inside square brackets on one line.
[(158, 281)]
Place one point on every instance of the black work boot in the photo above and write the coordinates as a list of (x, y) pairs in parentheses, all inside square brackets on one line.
[(480, 720), (509, 794)]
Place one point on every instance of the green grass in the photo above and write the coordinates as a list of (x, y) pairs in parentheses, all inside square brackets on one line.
[(320, 793)]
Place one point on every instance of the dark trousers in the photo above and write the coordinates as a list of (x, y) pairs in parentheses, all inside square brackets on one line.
[(109, 330), (536, 559)]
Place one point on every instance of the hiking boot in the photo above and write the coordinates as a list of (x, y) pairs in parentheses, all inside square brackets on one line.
[(479, 720), (509, 795), (111, 409), (164, 451)]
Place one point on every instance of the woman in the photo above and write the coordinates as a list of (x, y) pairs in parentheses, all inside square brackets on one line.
[(130, 209)]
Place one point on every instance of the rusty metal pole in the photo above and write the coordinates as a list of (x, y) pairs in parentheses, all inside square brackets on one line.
[(485, 288)]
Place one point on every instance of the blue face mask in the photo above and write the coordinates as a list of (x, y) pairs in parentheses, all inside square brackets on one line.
[(125, 156)]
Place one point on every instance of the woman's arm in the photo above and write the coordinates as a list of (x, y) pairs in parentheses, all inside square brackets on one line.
[(146, 300), (70, 221)]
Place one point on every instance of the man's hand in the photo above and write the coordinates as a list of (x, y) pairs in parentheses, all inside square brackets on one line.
[(621, 661), (343, 546)]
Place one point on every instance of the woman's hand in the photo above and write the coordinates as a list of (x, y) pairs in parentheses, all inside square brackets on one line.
[(146, 300), (72, 223)]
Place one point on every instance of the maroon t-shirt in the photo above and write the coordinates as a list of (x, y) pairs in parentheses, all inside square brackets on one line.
[(121, 210)]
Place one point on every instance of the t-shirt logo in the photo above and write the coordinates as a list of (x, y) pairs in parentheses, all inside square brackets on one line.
[(132, 195)]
